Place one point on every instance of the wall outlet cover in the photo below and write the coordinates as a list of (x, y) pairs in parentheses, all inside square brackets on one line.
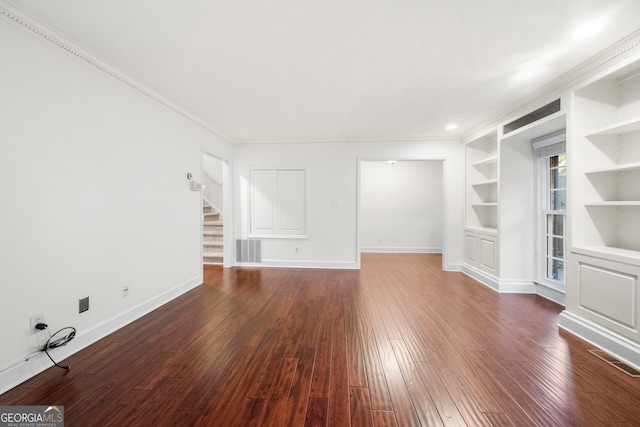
[(34, 320)]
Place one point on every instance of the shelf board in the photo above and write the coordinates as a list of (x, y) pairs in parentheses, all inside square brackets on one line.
[(617, 168), (625, 126), (484, 230), (488, 205), (608, 252), (486, 161), (614, 203), (487, 182)]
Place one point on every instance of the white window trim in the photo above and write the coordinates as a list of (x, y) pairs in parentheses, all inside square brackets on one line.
[(545, 147)]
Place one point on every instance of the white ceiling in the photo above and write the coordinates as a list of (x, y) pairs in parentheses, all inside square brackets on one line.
[(340, 70)]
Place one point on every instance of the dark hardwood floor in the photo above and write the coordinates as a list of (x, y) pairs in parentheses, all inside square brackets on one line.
[(398, 343)]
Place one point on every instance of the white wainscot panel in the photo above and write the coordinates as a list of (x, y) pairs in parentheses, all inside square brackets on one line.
[(488, 252), (608, 293)]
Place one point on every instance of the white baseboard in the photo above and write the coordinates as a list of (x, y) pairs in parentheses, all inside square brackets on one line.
[(516, 287), (551, 294), (340, 265), (622, 348), (394, 250), (38, 362), (481, 277), (453, 267), (500, 286)]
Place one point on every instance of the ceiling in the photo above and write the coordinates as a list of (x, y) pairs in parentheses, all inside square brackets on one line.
[(340, 70)]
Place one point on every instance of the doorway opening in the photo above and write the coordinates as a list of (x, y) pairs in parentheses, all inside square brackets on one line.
[(401, 206), (214, 208)]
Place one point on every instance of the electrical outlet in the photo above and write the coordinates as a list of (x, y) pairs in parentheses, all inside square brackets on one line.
[(125, 291), (296, 249), (34, 320)]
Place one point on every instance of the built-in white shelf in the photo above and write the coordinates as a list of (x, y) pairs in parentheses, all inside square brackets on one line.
[(625, 126), (487, 161), (481, 182), (614, 203), (616, 168), (484, 230), (487, 182), (608, 253)]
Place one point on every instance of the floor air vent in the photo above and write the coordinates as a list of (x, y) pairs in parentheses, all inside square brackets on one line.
[(616, 363), (249, 250)]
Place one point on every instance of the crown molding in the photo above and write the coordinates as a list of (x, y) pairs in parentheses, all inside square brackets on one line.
[(452, 138), (619, 53), (23, 21)]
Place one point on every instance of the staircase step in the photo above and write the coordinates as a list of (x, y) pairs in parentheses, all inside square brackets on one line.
[(212, 244), (212, 257)]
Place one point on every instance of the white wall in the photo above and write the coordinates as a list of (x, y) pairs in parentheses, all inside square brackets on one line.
[(401, 206), (212, 177), (333, 175), (94, 194)]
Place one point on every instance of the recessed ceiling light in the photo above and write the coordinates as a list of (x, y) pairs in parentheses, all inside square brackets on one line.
[(452, 126)]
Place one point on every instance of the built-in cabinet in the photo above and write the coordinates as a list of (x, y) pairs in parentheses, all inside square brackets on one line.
[(481, 216), (482, 184), (604, 197), (601, 118), (481, 251), (499, 210)]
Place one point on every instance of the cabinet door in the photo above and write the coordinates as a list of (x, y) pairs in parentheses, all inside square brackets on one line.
[(488, 253), (471, 248)]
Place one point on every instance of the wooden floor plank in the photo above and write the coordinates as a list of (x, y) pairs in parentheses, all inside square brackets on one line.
[(420, 396), (316, 412), (384, 419), (339, 405), (398, 343), (445, 405), (401, 399), (376, 378), (360, 406), (274, 410), (296, 409), (322, 368)]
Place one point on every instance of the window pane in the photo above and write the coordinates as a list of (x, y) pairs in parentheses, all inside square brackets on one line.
[(555, 225), (562, 160), (555, 269), (558, 178), (555, 247), (558, 200)]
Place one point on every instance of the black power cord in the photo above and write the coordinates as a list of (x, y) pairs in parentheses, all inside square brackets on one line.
[(59, 342)]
